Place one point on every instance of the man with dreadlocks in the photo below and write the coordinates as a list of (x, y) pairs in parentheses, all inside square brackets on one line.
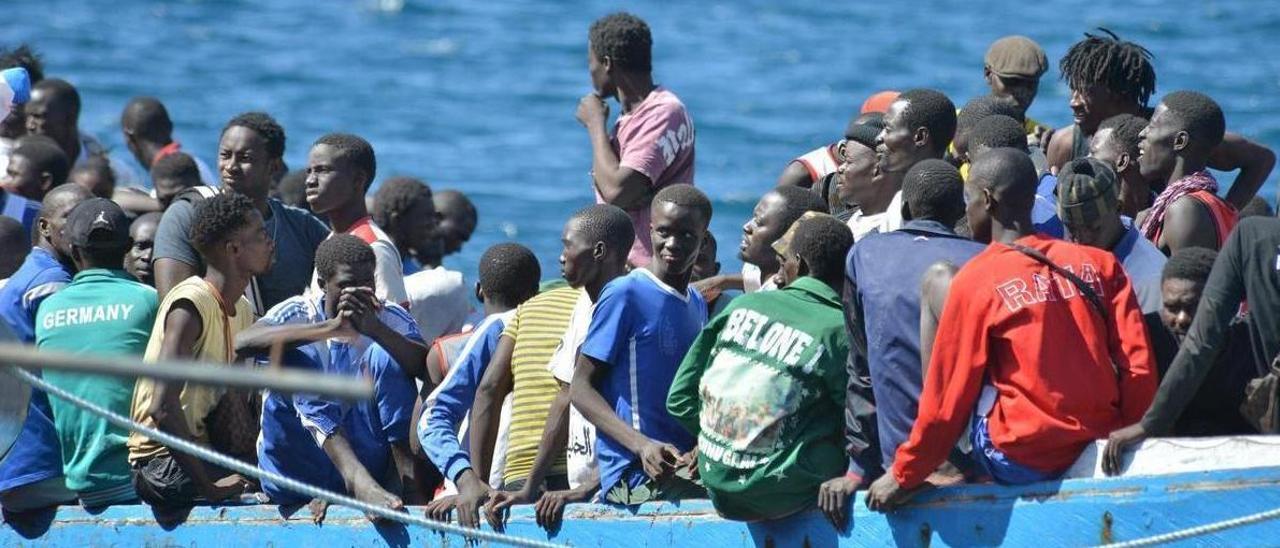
[(1110, 76)]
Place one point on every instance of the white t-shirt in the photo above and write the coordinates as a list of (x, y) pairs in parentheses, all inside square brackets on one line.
[(886, 221), (440, 300), (581, 450), (751, 281)]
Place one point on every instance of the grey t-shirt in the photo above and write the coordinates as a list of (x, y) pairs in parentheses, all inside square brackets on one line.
[(296, 232)]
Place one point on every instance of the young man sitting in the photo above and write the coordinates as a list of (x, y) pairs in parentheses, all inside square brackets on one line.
[(642, 326), (198, 320), (103, 312), (763, 385), (339, 446), (1041, 347)]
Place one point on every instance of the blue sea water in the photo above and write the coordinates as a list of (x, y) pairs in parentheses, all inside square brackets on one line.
[(480, 96)]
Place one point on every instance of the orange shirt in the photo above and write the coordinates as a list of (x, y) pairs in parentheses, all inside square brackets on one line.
[(1063, 376)]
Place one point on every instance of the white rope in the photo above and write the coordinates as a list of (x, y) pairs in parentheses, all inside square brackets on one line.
[(229, 463), (1201, 530)]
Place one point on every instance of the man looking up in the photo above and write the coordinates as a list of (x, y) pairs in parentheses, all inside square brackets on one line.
[(1064, 356), (148, 132), (918, 126), (198, 320), (594, 248), (882, 311), (1174, 152), (1087, 204), (1116, 144), (815, 165), (250, 155), (776, 211), (1246, 267), (651, 145), (31, 474), (103, 312), (35, 167), (340, 168), (767, 410), (640, 330)]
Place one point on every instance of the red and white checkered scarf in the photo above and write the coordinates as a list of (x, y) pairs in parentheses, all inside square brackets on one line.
[(1200, 180)]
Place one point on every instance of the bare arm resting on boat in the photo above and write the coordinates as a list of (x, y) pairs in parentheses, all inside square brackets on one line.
[(183, 326)]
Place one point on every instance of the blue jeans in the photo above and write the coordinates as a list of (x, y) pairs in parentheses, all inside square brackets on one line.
[(996, 463)]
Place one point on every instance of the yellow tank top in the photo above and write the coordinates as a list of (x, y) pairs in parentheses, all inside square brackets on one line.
[(215, 345)]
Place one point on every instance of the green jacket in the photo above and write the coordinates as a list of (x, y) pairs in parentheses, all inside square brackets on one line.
[(763, 389), (101, 313)]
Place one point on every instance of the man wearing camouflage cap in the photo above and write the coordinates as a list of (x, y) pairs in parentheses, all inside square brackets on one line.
[(1088, 204)]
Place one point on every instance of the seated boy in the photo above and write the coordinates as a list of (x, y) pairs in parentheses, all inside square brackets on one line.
[(103, 312), (197, 320), (764, 384), (341, 446)]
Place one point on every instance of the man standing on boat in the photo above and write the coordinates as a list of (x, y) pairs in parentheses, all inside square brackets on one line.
[(652, 142), (1041, 347)]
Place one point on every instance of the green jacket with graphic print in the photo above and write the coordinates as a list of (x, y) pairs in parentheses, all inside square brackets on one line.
[(763, 389)]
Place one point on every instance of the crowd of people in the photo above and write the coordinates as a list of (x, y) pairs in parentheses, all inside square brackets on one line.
[(938, 296)]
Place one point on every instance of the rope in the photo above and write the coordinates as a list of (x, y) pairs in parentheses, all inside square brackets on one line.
[(1201, 530), (229, 463)]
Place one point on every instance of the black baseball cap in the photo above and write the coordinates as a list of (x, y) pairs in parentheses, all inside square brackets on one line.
[(97, 223)]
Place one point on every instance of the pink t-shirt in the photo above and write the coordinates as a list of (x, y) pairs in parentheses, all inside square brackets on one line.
[(656, 139)]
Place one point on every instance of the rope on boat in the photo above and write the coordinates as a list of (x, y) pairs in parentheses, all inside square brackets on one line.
[(1201, 530), (229, 463)]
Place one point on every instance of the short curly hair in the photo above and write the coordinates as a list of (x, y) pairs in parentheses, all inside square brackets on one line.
[(354, 149), (217, 218), (822, 242), (343, 249), (46, 156), (981, 107), (609, 224), (686, 196), (998, 131), (265, 126), (395, 197), (1125, 129), (178, 166), (1189, 263), (623, 38), (933, 110), (1200, 114), (509, 273), (933, 189)]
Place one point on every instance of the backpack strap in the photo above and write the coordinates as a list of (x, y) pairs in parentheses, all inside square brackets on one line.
[(1084, 287)]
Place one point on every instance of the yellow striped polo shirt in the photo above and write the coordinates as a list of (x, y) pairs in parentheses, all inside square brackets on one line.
[(536, 328)]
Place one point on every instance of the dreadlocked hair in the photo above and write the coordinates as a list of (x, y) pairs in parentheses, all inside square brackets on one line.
[(1121, 66)]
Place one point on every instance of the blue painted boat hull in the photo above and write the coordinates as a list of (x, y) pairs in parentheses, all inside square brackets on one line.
[(1069, 513)]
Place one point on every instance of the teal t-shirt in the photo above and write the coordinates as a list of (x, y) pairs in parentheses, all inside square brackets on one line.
[(102, 313)]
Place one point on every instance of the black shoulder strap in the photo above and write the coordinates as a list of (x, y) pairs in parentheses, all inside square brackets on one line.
[(1084, 287)]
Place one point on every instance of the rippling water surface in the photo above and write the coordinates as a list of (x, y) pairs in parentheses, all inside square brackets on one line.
[(480, 95)]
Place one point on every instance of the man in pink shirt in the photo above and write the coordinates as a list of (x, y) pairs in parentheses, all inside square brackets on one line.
[(652, 142)]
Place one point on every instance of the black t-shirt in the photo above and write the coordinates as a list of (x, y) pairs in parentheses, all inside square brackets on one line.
[(1247, 267)]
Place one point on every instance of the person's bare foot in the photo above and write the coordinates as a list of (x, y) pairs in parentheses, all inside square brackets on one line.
[(372, 493), (319, 509)]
